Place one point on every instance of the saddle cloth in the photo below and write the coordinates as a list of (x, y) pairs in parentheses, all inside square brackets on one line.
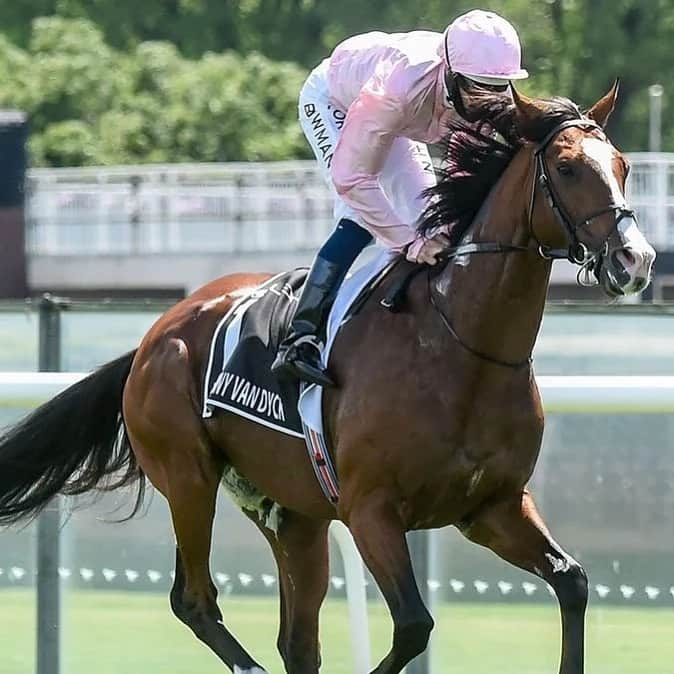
[(238, 376)]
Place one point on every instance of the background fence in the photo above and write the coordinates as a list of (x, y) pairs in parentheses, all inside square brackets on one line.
[(236, 207)]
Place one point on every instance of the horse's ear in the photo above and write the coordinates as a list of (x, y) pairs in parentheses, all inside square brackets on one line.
[(602, 109), (527, 108), (529, 111)]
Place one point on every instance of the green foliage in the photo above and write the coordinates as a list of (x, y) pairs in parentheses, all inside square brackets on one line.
[(91, 104), (69, 143), (201, 80), (73, 71)]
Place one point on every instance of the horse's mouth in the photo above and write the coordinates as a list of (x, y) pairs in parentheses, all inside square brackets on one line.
[(607, 279), (611, 287)]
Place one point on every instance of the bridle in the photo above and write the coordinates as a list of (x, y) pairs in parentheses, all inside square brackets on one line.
[(576, 251)]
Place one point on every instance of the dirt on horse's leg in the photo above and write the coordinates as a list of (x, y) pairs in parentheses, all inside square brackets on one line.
[(300, 547), (516, 532), (380, 537)]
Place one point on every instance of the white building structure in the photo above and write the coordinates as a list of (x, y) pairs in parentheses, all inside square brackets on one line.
[(169, 229)]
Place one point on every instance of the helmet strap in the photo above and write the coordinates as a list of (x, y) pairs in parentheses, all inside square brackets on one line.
[(453, 83)]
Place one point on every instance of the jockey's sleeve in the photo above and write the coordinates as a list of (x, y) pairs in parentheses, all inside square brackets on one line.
[(372, 123)]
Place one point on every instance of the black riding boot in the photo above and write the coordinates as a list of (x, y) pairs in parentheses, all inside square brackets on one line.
[(299, 354)]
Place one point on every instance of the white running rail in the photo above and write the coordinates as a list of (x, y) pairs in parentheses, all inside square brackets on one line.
[(582, 395)]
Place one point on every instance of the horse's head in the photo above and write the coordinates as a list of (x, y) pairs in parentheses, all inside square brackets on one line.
[(577, 198)]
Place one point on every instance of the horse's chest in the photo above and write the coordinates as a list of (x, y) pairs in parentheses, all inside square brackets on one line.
[(440, 441), (470, 460), (458, 485)]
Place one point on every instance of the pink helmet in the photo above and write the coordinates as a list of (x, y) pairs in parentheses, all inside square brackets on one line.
[(484, 47)]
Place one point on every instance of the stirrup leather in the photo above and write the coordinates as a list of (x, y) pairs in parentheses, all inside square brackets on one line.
[(311, 340)]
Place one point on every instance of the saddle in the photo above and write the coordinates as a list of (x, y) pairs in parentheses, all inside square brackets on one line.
[(238, 376)]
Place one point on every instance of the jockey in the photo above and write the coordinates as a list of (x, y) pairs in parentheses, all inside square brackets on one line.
[(368, 111)]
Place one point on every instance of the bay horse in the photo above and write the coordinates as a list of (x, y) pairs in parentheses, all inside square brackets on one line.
[(437, 419)]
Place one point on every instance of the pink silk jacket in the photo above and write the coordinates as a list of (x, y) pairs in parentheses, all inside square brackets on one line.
[(392, 85)]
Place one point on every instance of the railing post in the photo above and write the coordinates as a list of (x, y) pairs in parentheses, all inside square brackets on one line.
[(49, 522), (102, 220), (356, 597), (238, 215), (661, 232), (135, 183)]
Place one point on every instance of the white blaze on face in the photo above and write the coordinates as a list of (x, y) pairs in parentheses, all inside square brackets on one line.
[(602, 154)]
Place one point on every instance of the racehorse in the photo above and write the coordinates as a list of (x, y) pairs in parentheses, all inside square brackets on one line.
[(437, 419)]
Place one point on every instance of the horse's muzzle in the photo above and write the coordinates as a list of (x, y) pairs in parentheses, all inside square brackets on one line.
[(625, 270)]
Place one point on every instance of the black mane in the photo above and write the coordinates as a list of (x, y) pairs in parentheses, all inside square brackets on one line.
[(474, 159)]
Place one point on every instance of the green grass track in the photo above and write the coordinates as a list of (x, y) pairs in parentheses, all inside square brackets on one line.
[(135, 633)]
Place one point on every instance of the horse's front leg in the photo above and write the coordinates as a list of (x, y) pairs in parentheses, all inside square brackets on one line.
[(515, 531), (380, 536)]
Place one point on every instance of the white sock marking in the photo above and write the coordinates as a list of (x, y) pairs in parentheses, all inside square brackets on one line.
[(559, 565)]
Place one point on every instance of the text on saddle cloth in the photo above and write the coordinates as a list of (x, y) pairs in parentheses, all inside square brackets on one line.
[(244, 345), (239, 379)]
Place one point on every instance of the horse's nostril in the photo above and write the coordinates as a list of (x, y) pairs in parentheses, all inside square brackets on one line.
[(624, 257)]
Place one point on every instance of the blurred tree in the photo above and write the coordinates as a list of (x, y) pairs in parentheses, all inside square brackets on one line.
[(69, 143), (600, 40), (73, 71), (156, 85), (90, 104)]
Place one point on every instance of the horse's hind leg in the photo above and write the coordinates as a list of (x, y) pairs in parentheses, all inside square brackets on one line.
[(188, 475), (300, 547), (175, 453), (192, 494), (516, 532)]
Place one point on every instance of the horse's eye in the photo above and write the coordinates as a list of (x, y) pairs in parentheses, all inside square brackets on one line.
[(565, 170)]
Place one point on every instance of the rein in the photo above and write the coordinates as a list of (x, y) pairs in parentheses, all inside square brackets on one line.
[(515, 365), (395, 296), (576, 252)]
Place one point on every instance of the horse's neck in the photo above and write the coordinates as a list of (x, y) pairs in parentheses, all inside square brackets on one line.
[(495, 301)]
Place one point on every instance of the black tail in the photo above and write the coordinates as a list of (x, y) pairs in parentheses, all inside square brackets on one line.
[(70, 445)]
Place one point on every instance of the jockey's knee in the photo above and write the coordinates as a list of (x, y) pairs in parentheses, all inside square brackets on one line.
[(345, 243), (347, 227)]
